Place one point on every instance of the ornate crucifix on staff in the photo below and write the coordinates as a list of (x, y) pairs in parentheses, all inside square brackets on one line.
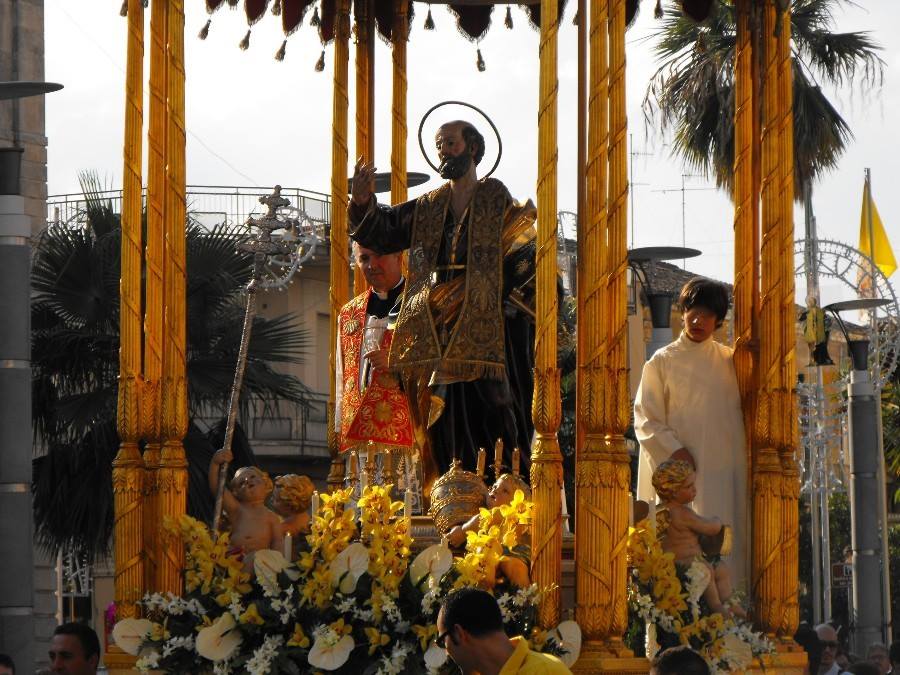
[(276, 257)]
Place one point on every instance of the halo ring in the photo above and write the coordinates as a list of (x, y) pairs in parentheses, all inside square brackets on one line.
[(476, 109)]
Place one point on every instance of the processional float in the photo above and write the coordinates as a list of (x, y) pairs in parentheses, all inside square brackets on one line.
[(152, 403)]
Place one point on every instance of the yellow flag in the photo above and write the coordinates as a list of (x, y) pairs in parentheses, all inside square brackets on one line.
[(882, 254)]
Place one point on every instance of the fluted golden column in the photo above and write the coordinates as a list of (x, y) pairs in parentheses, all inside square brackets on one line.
[(399, 38), (789, 438), (153, 309), (546, 459), (767, 545), (617, 403), (339, 258), (172, 475), (744, 197), (593, 540), (128, 466), (365, 97)]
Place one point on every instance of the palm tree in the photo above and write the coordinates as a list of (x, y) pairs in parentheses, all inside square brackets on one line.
[(692, 92), (75, 345)]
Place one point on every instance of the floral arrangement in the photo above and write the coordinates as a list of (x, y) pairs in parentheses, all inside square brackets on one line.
[(669, 596), (352, 603)]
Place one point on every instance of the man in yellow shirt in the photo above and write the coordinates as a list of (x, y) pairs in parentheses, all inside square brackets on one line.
[(470, 628)]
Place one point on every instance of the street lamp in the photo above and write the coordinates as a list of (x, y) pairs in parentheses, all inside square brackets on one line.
[(643, 263), (866, 511)]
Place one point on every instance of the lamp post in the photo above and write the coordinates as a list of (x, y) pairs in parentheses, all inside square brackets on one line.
[(643, 262), (865, 511), (17, 579)]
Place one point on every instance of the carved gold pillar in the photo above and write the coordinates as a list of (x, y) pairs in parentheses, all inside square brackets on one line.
[(617, 403), (790, 434), (399, 38), (172, 475), (768, 543), (546, 459), (153, 308), (339, 258), (745, 224), (365, 96), (593, 585), (128, 466)]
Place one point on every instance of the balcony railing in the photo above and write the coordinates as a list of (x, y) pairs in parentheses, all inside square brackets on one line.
[(209, 204)]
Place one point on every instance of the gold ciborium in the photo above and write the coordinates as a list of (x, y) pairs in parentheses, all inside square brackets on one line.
[(455, 497)]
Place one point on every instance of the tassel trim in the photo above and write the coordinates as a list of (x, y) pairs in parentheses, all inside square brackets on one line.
[(658, 10), (508, 22), (429, 22), (204, 32), (123, 10), (245, 43), (279, 55), (479, 62), (276, 8), (320, 64), (315, 20)]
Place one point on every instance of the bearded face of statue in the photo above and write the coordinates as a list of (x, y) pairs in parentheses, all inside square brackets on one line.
[(454, 151), (452, 168)]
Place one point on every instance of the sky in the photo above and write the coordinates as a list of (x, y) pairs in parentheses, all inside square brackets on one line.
[(254, 121)]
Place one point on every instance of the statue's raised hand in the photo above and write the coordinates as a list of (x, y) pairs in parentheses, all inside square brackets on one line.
[(363, 179)]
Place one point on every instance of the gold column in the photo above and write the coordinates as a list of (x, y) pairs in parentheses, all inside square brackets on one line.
[(365, 98), (153, 309), (767, 545), (617, 402), (789, 441), (546, 409), (339, 258), (172, 476), (128, 467), (399, 38), (745, 291), (593, 540)]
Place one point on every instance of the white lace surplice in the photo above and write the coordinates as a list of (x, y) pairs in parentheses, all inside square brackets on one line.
[(688, 397)]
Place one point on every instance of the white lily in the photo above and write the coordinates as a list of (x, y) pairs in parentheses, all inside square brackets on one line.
[(129, 634), (330, 656), (220, 640), (435, 561), (348, 566), (568, 634), (267, 564)]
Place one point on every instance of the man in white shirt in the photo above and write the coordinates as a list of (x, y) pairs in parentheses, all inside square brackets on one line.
[(828, 641)]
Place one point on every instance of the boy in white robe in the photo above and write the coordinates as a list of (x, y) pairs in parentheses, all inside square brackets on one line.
[(688, 407)]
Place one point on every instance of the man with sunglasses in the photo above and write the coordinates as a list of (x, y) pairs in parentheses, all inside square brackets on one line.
[(470, 629), (828, 642)]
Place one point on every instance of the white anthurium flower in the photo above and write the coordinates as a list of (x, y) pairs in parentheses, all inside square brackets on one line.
[(267, 564), (568, 634), (330, 656), (220, 640), (435, 657), (435, 561), (129, 634), (348, 566)]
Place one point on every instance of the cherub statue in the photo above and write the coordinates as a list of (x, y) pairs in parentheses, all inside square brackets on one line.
[(253, 525), (291, 500), (515, 563), (681, 530)]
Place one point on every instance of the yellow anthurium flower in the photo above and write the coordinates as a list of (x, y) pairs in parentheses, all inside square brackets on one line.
[(425, 634)]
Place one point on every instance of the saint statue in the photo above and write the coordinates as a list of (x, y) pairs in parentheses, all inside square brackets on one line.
[(816, 327), (463, 341)]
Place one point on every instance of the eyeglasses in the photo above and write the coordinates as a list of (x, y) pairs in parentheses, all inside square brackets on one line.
[(828, 644), (441, 640)]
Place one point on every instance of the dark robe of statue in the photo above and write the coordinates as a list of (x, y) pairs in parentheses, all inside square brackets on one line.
[(463, 344)]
